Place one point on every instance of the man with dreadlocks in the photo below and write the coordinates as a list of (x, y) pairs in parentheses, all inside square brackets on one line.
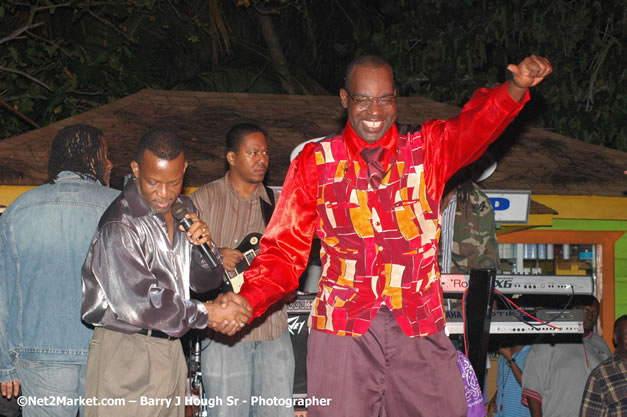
[(44, 238)]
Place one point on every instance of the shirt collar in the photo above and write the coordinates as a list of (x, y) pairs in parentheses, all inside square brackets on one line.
[(354, 144)]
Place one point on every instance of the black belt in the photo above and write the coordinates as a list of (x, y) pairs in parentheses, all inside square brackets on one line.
[(156, 333)]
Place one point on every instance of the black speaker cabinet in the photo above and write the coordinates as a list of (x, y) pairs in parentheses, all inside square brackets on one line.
[(298, 314)]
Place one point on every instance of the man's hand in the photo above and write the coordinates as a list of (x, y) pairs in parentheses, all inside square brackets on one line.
[(235, 298), (230, 258), (529, 73), (10, 389), (491, 408), (198, 232), (535, 407), (506, 352), (228, 313)]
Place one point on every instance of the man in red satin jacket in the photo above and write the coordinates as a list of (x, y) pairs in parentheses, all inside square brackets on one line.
[(372, 194)]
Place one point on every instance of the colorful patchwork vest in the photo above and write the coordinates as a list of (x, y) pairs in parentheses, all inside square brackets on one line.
[(378, 247)]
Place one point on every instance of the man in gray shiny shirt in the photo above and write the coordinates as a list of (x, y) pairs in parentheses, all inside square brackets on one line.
[(136, 281)]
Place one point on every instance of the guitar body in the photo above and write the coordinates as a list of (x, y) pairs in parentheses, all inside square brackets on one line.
[(250, 248), (250, 242)]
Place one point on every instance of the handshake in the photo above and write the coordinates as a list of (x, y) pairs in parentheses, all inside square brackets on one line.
[(228, 313)]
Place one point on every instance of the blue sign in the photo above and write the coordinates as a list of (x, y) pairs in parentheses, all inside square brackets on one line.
[(499, 203)]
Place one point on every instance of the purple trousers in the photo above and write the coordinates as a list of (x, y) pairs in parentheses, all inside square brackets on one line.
[(384, 373)]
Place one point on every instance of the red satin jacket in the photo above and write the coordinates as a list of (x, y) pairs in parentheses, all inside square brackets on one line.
[(378, 246)]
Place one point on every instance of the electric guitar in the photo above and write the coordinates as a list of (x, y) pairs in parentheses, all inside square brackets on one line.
[(250, 248)]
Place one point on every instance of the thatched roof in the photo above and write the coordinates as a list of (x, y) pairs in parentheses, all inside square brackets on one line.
[(529, 159)]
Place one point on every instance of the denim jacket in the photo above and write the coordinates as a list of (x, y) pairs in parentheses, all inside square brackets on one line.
[(44, 238)]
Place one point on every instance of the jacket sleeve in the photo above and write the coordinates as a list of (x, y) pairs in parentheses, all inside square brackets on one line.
[(454, 143), (202, 277), (8, 272), (286, 242)]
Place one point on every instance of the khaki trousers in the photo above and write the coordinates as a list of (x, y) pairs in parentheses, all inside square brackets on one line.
[(134, 375)]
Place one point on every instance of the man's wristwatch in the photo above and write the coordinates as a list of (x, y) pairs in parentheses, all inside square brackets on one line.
[(510, 361)]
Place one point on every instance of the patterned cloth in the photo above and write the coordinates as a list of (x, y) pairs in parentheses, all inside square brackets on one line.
[(474, 397), (391, 227), (605, 394)]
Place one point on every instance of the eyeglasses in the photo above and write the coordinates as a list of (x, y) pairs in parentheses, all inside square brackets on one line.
[(364, 102)]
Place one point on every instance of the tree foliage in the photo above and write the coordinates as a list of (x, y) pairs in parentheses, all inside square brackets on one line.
[(444, 50), (61, 57)]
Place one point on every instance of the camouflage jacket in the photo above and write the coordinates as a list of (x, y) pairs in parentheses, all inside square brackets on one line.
[(474, 238)]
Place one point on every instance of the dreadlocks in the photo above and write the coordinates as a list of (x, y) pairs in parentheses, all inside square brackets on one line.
[(80, 149), (461, 184)]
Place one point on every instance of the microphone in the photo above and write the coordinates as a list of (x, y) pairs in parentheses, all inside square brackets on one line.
[(179, 210)]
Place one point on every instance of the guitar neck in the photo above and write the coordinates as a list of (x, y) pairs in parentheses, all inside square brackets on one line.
[(244, 263)]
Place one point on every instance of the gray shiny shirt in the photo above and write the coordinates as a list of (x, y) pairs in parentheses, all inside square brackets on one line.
[(134, 278)]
